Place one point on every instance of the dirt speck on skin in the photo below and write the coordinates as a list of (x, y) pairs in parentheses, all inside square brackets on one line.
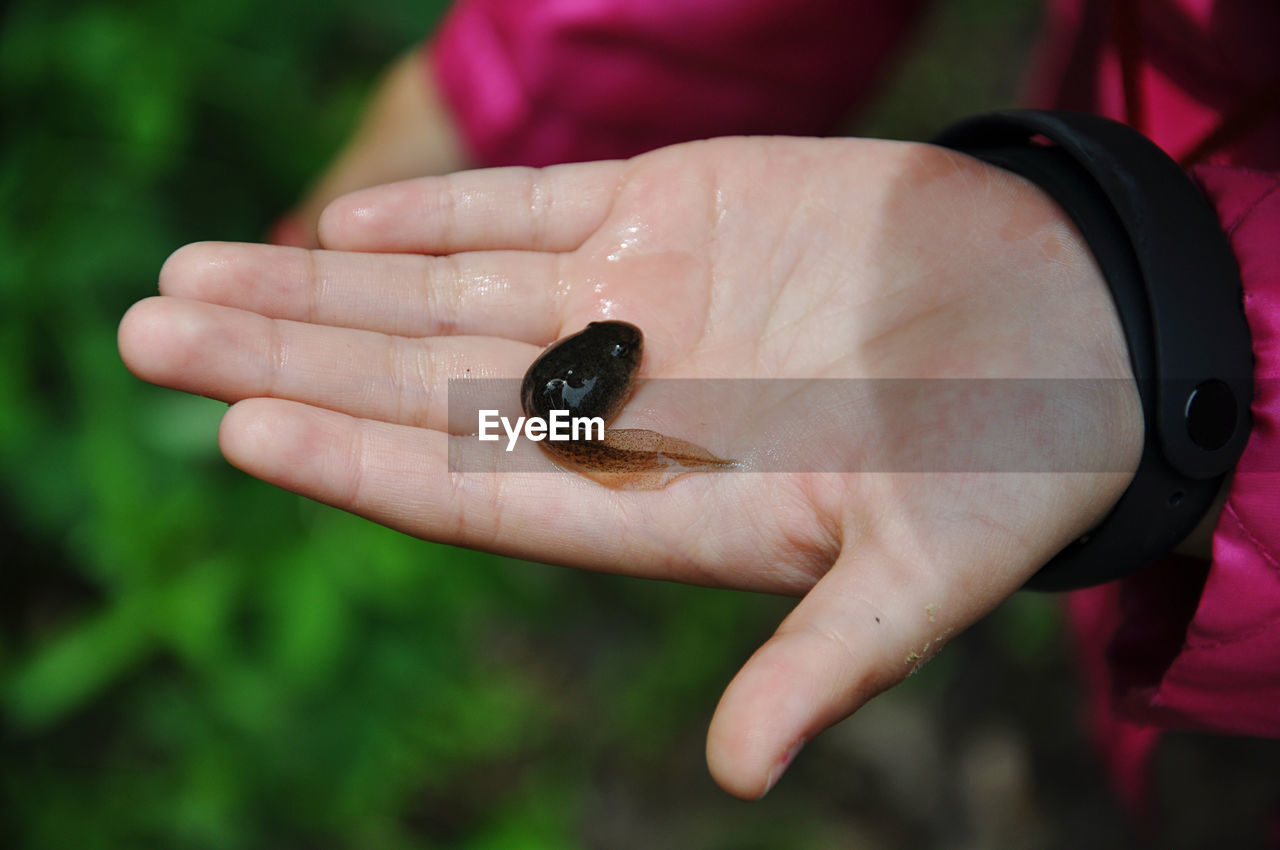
[(932, 610)]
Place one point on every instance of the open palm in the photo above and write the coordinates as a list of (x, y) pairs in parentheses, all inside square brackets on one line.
[(740, 258)]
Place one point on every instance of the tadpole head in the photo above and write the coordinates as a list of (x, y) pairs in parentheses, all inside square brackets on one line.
[(623, 342), (589, 373)]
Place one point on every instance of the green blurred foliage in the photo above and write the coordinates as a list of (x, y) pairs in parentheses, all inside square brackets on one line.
[(190, 658)]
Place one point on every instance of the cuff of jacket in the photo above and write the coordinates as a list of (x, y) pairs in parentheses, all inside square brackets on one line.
[(1193, 645), (1225, 674)]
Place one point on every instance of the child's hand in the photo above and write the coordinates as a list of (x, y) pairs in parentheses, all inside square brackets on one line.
[(750, 258)]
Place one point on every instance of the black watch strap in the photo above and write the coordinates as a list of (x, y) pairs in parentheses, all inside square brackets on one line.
[(1177, 288)]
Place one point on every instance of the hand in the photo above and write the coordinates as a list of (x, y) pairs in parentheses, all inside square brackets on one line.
[(752, 258)]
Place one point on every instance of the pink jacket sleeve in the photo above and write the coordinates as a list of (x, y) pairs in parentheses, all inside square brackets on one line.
[(1223, 671), (573, 80), (1227, 673), (1185, 644)]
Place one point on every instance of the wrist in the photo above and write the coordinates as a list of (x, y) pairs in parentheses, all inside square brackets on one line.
[(406, 131), (1174, 282)]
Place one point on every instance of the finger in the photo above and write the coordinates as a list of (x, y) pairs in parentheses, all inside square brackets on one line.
[(231, 354), (864, 627), (508, 294), (523, 209), (399, 476)]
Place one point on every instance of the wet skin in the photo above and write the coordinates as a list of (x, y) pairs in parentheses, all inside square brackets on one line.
[(589, 374)]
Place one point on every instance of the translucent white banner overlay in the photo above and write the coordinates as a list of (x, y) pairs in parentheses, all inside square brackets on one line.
[(839, 425)]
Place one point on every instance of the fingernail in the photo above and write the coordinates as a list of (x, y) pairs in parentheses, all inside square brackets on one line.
[(775, 772)]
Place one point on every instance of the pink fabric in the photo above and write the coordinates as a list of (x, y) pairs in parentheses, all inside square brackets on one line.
[(535, 83), (1191, 646), (1124, 745), (564, 80), (1227, 674), (1180, 646), (1196, 61)]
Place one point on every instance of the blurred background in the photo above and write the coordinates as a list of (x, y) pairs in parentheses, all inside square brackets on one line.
[(190, 658)]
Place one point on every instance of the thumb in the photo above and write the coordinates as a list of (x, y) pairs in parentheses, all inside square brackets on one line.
[(865, 626)]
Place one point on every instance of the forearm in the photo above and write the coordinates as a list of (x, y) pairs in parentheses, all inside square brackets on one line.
[(405, 131)]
